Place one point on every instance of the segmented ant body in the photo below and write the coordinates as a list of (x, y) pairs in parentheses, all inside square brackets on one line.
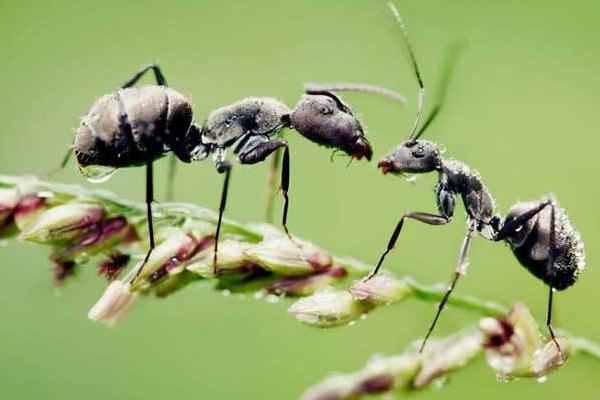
[(540, 234), (134, 126)]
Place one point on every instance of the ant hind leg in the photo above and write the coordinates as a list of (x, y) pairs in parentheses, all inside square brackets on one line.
[(550, 266), (160, 78), (149, 200)]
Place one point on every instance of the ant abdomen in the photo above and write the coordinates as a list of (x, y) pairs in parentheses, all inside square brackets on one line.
[(531, 244), (132, 127)]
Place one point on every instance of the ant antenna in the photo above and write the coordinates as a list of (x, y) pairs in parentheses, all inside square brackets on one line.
[(356, 87), (415, 66), (324, 92), (448, 69)]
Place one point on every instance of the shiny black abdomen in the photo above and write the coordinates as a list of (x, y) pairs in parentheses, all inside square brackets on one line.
[(533, 254)]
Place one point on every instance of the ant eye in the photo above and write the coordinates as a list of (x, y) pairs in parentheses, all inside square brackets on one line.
[(325, 110), (419, 151)]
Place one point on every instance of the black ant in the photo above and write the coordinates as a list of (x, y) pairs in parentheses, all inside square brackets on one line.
[(540, 234), (134, 126)]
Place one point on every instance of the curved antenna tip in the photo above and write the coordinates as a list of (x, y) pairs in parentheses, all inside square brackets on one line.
[(357, 87)]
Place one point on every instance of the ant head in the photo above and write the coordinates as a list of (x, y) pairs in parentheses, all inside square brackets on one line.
[(323, 118), (412, 156)]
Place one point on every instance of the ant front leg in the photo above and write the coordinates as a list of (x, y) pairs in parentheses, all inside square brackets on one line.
[(429, 219), (446, 200), (257, 149)]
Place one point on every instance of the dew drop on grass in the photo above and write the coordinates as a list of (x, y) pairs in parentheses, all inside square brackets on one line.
[(542, 379), (439, 383), (97, 173), (45, 194), (259, 295), (82, 258), (226, 292), (271, 298)]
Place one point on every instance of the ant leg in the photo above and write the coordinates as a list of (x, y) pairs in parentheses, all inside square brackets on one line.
[(149, 200), (222, 166), (285, 185), (549, 266), (160, 79), (510, 227), (260, 147), (459, 270), (171, 176), (549, 323), (272, 185), (62, 164), (429, 219)]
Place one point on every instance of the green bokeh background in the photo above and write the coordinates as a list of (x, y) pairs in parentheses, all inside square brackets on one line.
[(522, 109)]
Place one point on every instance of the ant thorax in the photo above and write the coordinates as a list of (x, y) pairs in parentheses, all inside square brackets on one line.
[(249, 116), (459, 178)]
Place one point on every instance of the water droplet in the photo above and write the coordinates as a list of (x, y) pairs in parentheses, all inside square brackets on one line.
[(502, 378), (226, 292), (45, 194), (439, 383), (258, 295), (351, 323), (97, 173), (82, 258), (542, 379), (271, 298), (363, 316)]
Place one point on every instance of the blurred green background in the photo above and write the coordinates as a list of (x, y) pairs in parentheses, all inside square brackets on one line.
[(522, 109)]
